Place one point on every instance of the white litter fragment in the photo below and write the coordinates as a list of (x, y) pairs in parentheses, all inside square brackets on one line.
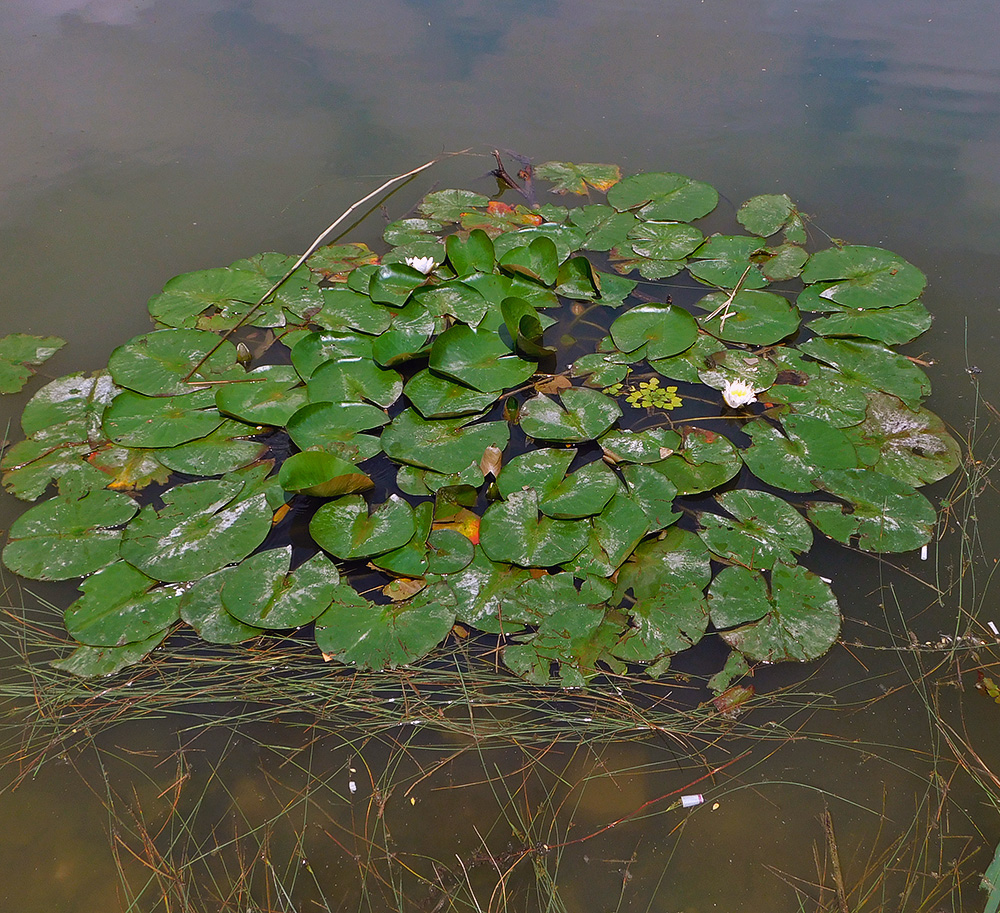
[(826, 579), (353, 787), (923, 553), (692, 801), (993, 628)]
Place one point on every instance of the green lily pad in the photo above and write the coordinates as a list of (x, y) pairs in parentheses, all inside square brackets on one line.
[(765, 530), (91, 662), (411, 558), (405, 231), (448, 552), (732, 365), (201, 607), (120, 606), (202, 527), (18, 352), (872, 364), (566, 238), (809, 388), (485, 594), (726, 261), (171, 362), (569, 178), (687, 365), (472, 254), (127, 468), (793, 456), (605, 227), (407, 338), (392, 283), (425, 482), (583, 415), (657, 249), (600, 369), (328, 424), (611, 537), (224, 450), (798, 620), (358, 633), (648, 446), (69, 409), (766, 214), (663, 196), (479, 359), (338, 259), (354, 380), (261, 592), (865, 277), (133, 420), (705, 461), (449, 205), (669, 621), (30, 466), (538, 261), (345, 530), (315, 349), (891, 325), (654, 493), (344, 308), (887, 515), (438, 397), (753, 317), (911, 445), (67, 537), (512, 531), (579, 494), (782, 262), (444, 445), (322, 474), (664, 329), (454, 299), (268, 395)]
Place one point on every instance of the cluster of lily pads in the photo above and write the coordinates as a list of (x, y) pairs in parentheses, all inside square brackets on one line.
[(470, 432)]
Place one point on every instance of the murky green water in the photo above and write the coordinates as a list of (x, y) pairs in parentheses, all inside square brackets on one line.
[(144, 139)]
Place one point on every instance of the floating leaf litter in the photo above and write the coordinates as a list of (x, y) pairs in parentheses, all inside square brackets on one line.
[(435, 436)]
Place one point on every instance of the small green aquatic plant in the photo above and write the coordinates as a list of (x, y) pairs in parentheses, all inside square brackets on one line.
[(386, 445)]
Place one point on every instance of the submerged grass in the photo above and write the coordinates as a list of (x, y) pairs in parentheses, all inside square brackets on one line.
[(267, 780)]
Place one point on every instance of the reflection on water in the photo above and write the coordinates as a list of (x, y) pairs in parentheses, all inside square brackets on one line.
[(147, 138)]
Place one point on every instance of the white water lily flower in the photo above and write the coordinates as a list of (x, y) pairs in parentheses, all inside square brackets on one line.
[(738, 393), (422, 264)]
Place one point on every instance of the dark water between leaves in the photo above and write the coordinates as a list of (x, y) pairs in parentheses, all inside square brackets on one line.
[(146, 139)]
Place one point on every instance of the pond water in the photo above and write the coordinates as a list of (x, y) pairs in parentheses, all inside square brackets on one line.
[(144, 139)]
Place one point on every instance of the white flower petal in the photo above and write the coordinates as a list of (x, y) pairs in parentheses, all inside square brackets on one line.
[(421, 264), (738, 393)]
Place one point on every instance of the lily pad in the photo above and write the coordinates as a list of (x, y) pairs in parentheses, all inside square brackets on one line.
[(885, 514), (891, 325), (449, 205), (569, 178), (322, 474), (865, 277), (315, 349), (171, 362), (583, 415), (671, 620), (664, 329), (19, 352), (268, 395), (358, 633), (579, 494), (798, 620), (352, 379), (67, 537), (911, 445), (605, 227), (611, 537), (90, 662), (345, 530), (793, 456), (872, 364), (663, 196), (512, 531), (479, 359), (485, 594), (765, 530), (121, 606), (227, 448), (133, 420), (648, 446), (70, 408), (261, 592), (202, 527), (770, 212), (706, 460), (444, 445), (752, 317), (344, 308), (201, 607), (438, 397)]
